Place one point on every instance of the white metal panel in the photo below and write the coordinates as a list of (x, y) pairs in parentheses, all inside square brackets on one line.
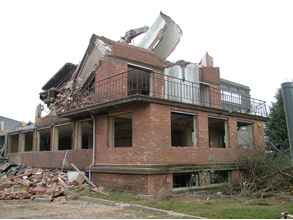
[(173, 83), (191, 85), (162, 37)]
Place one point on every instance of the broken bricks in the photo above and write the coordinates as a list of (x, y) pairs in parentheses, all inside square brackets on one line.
[(40, 184)]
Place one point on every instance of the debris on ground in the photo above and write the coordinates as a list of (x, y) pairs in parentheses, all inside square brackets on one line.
[(286, 215), (22, 182), (264, 175)]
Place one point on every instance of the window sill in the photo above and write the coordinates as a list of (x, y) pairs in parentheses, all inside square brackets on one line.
[(189, 146), (119, 147), (206, 187)]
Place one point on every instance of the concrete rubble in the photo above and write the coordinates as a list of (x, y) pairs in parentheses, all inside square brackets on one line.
[(21, 182)]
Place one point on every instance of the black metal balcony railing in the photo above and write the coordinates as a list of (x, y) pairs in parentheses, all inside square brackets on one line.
[(167, 87)]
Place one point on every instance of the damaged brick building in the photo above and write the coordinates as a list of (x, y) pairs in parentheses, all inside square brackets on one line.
[(141, 123)]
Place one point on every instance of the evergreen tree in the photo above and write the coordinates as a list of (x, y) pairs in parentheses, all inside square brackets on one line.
[(276, 127)]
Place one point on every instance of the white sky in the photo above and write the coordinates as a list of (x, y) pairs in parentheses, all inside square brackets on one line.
[(251, 41)]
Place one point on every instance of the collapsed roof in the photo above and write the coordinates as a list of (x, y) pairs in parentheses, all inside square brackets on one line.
[(160, 40), (63, 75)]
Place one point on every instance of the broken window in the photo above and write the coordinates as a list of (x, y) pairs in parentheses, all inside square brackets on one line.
[(64, 136), (219, 176), (86, 134), (217, 132), (122, 130), (185, 180), (13, 143), (45, 140), (245, 134), (182, 129), (28, 141), (138, 80)]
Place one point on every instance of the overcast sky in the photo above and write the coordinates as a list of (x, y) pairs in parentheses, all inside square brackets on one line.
[(251, 41)]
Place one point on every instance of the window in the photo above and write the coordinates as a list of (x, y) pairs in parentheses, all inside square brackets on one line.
[(182, 129), (245, 134), (2, 140), (138, 80), (64, 137), (122, 130), (45, 140), (231, 97), (219, 176), (13, 143), (185, 180), (28, 141), (217, 132), (2, 125), (86, 134)]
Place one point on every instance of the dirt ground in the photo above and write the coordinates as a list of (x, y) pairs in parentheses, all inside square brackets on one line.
[(73, 209)]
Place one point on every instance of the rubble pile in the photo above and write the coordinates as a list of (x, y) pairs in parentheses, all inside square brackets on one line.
[(21, 182), (69, 100)]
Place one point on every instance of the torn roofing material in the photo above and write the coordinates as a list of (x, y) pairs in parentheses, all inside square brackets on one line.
[(98, 47), (63, 75), (162, 37)]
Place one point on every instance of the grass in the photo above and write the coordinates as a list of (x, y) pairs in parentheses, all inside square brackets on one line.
[(210, 208)]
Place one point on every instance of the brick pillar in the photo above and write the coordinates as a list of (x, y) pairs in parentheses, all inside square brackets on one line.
[(203, 130), (232, 128), (21, 142), (54, 139), (235, 177), (258, 135), (76, 137), (35, 141)]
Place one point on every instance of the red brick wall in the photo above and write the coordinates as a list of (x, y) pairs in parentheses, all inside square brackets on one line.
[(111, 82), (136, 54), (152, 140), (123, 182), (235, 177), (53, 159), (210, 75), (160, 184), (146, 184)]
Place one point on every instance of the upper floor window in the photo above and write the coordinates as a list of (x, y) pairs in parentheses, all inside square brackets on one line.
[(218, 132), (1, 125), (64, 136), (28, 141), (138, 80), (182, 129), (121, 132), (13, 143), (231, 97), (44, 139), (245, 134), (86, 134)]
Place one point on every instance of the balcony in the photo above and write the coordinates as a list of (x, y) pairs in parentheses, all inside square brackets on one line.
[(158, 86)]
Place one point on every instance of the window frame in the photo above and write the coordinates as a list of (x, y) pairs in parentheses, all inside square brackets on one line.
[(226, 129), (111, 130), (56, 136), (252, 124), (195, 133), (25, 136), (80, 133), (39, 139)]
